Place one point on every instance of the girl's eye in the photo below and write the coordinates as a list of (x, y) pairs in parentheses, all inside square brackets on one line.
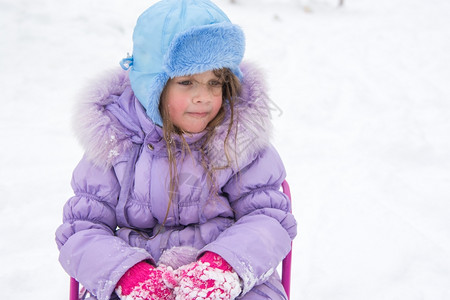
[(215, 83), (185, 82)]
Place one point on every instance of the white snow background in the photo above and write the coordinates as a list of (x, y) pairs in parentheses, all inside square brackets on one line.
[(363, 128)]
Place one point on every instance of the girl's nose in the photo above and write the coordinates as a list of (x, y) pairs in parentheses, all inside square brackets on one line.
[(202, 93)]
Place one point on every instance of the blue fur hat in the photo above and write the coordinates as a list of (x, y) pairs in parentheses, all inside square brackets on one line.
[(178, 38)]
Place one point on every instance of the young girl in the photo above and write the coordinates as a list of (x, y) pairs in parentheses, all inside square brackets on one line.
[(178, 194)]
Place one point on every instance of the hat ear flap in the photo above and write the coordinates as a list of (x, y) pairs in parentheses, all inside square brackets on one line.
[(155, 90), (148, 88)]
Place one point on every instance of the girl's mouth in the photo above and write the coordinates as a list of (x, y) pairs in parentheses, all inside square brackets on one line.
[(198, 114)]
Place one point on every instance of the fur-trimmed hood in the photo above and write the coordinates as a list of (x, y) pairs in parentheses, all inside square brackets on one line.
[(110, 120)]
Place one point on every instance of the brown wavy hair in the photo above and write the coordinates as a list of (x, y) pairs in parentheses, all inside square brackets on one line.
[(231, 88)]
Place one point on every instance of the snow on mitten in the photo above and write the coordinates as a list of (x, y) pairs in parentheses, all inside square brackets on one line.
[(211, 277), (144, 282)]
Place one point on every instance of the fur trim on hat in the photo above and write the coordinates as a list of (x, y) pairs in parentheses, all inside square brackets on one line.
[(206, 48)]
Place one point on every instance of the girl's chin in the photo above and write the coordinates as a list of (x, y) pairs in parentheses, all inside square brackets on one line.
[(192, 129), (194, 125)]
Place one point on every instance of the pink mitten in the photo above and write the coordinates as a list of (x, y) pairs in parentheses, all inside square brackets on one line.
[(211, 277), (143, 281)]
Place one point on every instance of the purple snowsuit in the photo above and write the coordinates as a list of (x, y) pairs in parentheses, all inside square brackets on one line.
[(121, 195)]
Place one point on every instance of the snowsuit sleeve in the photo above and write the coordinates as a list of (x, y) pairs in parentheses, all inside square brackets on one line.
[(89, 250), (264, 228)]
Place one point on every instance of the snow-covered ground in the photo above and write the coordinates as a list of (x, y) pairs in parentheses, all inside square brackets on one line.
[(362, 123)]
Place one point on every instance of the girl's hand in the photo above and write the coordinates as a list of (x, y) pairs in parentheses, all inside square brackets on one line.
[(211, 277), (145, 282)]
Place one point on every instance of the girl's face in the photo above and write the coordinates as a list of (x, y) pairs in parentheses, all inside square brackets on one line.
[(193, 101)]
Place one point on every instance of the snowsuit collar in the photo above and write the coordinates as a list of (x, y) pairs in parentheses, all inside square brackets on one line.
[(110, 120)]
